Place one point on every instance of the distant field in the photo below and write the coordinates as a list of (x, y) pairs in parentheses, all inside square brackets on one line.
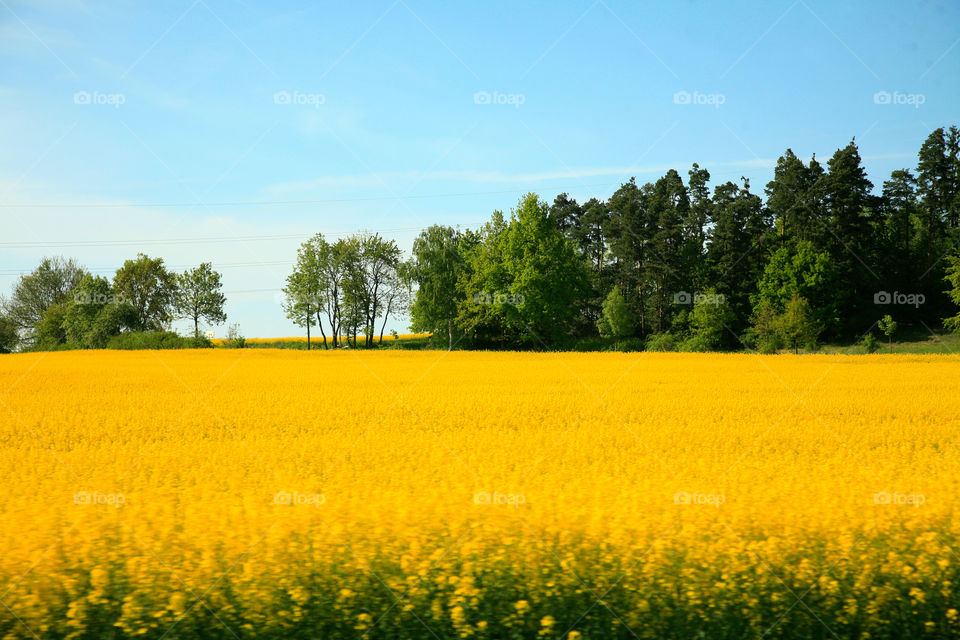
[(301, 341), (945, 343), (423, 494)]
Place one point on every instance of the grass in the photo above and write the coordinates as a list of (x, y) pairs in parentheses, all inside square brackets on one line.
[(917, 342)]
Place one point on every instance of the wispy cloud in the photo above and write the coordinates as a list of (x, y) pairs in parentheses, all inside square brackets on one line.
[(376, 180)]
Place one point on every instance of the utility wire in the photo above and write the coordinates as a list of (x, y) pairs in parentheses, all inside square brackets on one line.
[(245, 203)]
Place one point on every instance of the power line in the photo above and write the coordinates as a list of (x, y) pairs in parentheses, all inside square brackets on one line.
[(229, 265), (245, 203), (175, 241)]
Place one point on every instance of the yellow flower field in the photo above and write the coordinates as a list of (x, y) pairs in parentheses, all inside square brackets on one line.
[(318, 339), (417, 494)]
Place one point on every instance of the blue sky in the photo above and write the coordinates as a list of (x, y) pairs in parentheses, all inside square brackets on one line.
[(391, 115)]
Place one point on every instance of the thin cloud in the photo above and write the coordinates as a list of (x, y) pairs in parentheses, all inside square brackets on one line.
[(376, 180)]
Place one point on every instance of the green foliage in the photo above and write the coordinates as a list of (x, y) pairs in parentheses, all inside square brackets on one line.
[(49, 333), (198, 296), (763, 334), (150, 289), (797, 326), (526, 281), (869, 342), (135, 340), (661, 342), (95, 313), (615, 320), (709, 323), (953, 278), (800, 270), (9, 338), (49, 284), (309, 287), (352, 283), (888, 327), (438, 263)]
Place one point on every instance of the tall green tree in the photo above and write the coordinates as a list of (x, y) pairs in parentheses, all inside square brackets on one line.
[(306, 291), (793, 199), (953, 278), (371, 279), (851, 242), (735, 251), (547, 276), (666, 268), (199, 296), (51, 283), (147, 285), (436, 267), (615, 320), (629, 230)]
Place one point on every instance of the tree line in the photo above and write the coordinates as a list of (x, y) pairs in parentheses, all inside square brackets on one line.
[(62, 305), (669, 265)]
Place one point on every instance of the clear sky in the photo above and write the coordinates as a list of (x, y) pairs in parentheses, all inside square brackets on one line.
[(390, 116)]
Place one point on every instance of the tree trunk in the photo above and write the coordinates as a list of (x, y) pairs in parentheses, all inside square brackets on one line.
[(320, 324), (308, 331), (196, 327), (384, 325), (449, 334)]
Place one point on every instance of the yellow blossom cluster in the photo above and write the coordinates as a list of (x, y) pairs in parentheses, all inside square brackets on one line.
[(318, 339), (422, 494)]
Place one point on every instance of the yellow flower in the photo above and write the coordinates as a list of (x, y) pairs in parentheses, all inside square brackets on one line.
[(450, 485)]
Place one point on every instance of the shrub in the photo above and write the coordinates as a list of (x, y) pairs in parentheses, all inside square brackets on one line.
[(156, 340), (661, 342), (870, 343)]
